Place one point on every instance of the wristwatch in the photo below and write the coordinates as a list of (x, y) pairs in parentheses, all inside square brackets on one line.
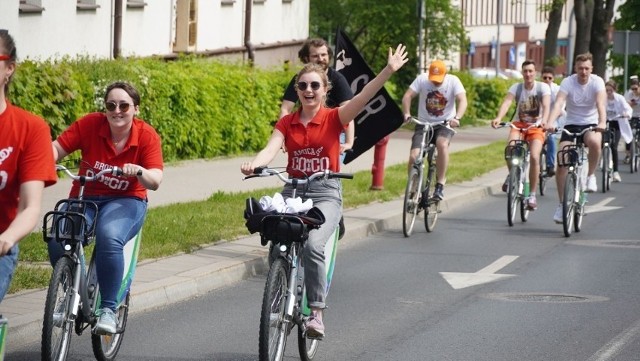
[(456, 117)]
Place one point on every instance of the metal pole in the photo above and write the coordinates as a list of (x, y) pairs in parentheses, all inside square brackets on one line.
[(571, 42), (626, 59), (421, 14), (499, 20)]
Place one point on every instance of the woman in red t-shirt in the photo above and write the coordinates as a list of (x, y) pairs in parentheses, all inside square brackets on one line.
[(311, 137), (26, 167), (115, 138)]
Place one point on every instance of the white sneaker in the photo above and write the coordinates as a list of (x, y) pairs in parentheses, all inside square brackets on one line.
[(592, 184), (557, 217), (616, 177)]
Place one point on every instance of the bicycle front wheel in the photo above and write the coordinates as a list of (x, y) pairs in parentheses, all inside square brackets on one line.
[(512, 194), (273, 328), (568, 203), (307, 347), (633, 154), (57, 325), (106, 347), (606, 161), (411, 202)]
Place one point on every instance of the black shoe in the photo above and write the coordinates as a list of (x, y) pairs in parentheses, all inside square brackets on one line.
[(341, 228), (505, 185), (437, 192), (550, 172)]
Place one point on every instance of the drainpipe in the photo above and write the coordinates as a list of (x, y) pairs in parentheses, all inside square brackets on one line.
[(247, 32), (117, 28)]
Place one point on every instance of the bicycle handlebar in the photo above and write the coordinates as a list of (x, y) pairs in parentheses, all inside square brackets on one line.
[(565, 131), (117, 171), (444, 123), (266, 172), (511, 125)]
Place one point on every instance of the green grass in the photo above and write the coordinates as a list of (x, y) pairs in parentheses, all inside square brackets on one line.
[(188, 227)]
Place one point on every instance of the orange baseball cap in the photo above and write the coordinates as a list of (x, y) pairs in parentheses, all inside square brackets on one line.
[(437, 71)]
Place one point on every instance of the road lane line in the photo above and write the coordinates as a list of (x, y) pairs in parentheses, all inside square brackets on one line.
[(613, 348)]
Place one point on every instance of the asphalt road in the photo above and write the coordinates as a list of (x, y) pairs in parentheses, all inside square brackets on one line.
[(475, 289)]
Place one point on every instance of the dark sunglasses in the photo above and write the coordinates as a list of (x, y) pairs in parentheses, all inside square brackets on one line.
[(634, 88), (547, 77), (302, 85), (111, 106), (4, 57)]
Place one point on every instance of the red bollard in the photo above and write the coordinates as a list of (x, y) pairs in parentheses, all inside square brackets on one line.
[(377, 170)]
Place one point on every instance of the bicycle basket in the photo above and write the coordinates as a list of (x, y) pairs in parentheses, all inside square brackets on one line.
[(286, 228), (568, 156), (68, 222), (516, 149)]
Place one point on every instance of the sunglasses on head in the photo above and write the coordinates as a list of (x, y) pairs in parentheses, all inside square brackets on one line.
[(111, 106), (547, 77), (4, 57), (302, 85)]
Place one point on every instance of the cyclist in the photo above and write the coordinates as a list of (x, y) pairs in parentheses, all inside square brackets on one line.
[(318, 51), (438, 93), (618, 111), (633, 98), (585, 98), (548, 77), (26, 167), (532, 107), (311, 138), (116, 138)]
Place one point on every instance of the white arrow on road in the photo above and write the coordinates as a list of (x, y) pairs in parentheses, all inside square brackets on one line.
[(488, 274), (602, 206)]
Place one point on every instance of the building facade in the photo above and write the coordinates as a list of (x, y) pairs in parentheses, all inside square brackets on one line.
[(266, 32)]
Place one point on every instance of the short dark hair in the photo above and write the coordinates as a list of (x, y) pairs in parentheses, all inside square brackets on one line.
[(128, 88), (584, 57), (303, 53), (548, 70), (612, 84), (528, 62)]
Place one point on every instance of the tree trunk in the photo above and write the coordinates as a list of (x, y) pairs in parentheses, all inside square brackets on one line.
[(584, 18), (551, 35), (600, 34)]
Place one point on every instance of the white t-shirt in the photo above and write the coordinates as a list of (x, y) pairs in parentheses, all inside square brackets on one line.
[(437, 104), (555, 88), (636, 108), (529, 106), (581, 99)]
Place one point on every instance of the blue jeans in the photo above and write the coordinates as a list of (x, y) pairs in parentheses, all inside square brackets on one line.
[(551, 151), (343, 139), (8, 264), (119, 220)]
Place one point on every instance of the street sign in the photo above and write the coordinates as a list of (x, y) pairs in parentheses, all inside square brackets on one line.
[(472, 48), (620, 41)]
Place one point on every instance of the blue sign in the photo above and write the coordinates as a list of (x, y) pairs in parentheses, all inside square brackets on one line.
[(472, 48), (512, 55)]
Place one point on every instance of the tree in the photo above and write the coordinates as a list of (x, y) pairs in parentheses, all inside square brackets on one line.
[(551, 35), (629, 20), (374, 26), (584, 18), (599, 44)]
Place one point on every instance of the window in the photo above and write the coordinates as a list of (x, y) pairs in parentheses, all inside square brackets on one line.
[(136, 4), (30, 6), (227, 2), (259, 2), (86, 5)]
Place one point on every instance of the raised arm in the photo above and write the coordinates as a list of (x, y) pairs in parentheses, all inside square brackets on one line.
[(395, 61)]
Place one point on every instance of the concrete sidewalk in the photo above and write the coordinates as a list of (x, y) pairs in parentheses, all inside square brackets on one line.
[(164, 281)]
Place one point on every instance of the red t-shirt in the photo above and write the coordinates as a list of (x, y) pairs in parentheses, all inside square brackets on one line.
[(315, 147), (91, 135), (25, 155)]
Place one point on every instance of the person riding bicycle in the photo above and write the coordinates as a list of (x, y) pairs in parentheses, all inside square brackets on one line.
[(585, 98), (438, 93), (26, 167), (633, 98), (115, 138), (310, 135), (533, 99), (552, 138), (618, 112)]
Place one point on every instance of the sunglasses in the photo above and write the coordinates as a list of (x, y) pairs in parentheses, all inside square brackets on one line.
[(634, 88), (4, 57), (111, 106), (547, 77), (302, 85)]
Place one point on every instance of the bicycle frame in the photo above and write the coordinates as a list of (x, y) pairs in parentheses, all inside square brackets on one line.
[(3, 335)]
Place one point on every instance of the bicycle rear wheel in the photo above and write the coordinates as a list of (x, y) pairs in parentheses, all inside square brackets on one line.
[(606, 171), (633, 166), (412, 198), (433, 205), (106, 347), (307, 347), (512, 194), (568, 204), (542, 176), (56, 325), (273, 328)]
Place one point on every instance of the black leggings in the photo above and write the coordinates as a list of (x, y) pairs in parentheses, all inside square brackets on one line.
[(615, 126)]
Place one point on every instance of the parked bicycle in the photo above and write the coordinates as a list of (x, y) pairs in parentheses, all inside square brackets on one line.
[(418, 195), (518, 156), (74, 293), (284, 303), (574, 157)]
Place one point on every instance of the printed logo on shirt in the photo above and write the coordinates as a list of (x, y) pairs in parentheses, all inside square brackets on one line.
[(112, 182), (529, 109), (5, 153), (308, 160), (435, 103)]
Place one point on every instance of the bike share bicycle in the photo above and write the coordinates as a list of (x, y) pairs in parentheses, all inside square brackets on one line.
[(634, 146), (418, 195), (74, 293), (574, 156), (284, 303), (518, 156), (606, 158)]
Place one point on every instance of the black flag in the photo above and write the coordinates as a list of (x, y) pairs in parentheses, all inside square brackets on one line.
[(381, 116)]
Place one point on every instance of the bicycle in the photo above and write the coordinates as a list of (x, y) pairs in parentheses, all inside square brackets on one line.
[(417, 193), (284, 303), (634, 146), (518, 156), (573, 156), (544, 176), (74, 293), (606, 158)]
